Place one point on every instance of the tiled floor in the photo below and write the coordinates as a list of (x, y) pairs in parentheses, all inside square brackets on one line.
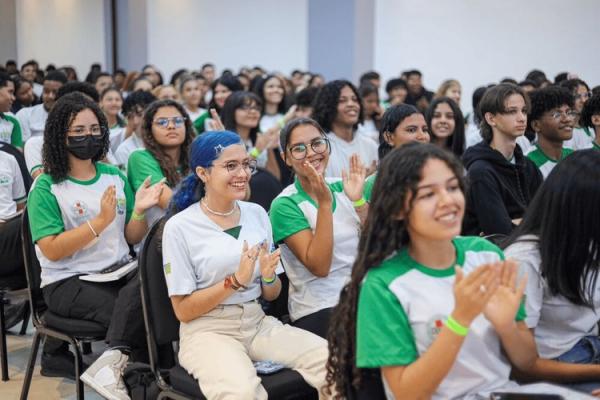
[(42, 388)]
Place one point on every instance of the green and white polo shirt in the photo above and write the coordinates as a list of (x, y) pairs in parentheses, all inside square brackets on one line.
[(10, 130), (56, 207), (294, 211), (12, 188), (368, 189), (544, 163), (402, 308)]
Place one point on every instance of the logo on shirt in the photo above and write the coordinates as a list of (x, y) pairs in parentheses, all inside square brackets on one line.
[(80, 211), (121, 206), (5, 179), (434, 327), (167, 268)]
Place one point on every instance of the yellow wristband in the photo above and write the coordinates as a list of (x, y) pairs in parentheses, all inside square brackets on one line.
[(138, 217), (455, 327), (359, 203), (281, 123), (254, 153)]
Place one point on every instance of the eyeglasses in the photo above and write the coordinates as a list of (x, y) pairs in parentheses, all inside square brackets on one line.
[(558, 115), (94, 130), (319, 146), (585, 95), (233, 167), (164, 122), (248, 107)]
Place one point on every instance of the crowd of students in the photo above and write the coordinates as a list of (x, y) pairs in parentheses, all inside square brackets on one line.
[(438, 249)]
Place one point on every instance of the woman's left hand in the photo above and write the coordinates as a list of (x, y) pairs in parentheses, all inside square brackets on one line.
[(147, 195), (268, 261), (354, 180), (502, 308)]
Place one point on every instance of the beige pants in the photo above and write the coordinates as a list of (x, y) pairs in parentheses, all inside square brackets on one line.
[(218, 350)]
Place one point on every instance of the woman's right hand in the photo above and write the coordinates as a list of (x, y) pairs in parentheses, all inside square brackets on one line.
[(108, 205), (247, 263), (317, 183), (472, 293)]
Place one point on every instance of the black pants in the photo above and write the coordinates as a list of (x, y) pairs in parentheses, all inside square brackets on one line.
[(317, 323), (11, 251), (116, 305)]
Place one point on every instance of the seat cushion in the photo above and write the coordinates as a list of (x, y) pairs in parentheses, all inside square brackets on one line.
[(73, 327), (285, 384)]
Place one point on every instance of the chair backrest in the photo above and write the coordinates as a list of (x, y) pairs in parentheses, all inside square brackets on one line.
[(162, 327), (264, 187), (33, 271)]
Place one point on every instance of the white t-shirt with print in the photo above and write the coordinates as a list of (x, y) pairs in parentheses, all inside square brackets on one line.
[(198, 254), (32, 121), (341, 150), (558, 323), (12, 189), (33, 153)]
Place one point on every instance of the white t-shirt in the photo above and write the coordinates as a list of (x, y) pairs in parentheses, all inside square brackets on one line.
[(269, 121), (341, 150), (33, 153), (293, 211), (12, 189), (32, 121), (117, 136), (369, 130), (129, 145), (524, 143), (558, 323), (582, 139), (191, 264), (194, 114)]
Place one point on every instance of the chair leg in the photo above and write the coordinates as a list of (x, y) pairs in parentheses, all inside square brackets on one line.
[(78, 367), (3, 351), (25, 320), (31, 365)]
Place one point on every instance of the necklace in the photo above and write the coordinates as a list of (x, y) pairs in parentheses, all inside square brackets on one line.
[(220, 214)]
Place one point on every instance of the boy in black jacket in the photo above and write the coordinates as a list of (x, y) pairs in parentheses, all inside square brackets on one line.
[(502, 181)]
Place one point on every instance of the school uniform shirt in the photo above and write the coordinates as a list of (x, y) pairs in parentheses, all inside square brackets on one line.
[(128, 146), (198, 253), (194, 115), (117, 136), (341, 150), (402, 307), (33, 153), (559, 324), (368, 189), (56, 207), (32, 121), (544, 163), (582, 139), (12, 188), (369, 130), (10, 130), (269, 121), (294, 211)]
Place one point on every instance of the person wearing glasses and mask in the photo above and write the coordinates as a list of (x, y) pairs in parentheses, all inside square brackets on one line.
[(83, 214), (214, 283), (167, 133), (316, 222)]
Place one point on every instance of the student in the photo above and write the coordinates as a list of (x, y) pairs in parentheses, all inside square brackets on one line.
[(450, 88), (33, 119), (271, 91), (103, 81), (167, 133), (10, 130), (189, 90), (29, 73), (590, 118), (372, 112), (304, 102), (582, 136), (83, 214), (166, 92), (111, 102), (417, 96), (338, 111), (446, 125), (221, 90), (397, 91), (435, 312), (214, 283), (502, 181), (133, 110), (141, 83), (552, 118), (24, 96), (401, 124), (316, 223)]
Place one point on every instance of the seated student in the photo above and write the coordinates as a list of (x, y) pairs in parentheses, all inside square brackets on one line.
[(214, 283), (316, 223), (221, 89), (401, 124), (590, 118), (556, 245), (24, 96), (552, 119), (304, 102), (446, 125), (133, 110), (435, 312), (10, 130), (397, 90), (83, 214), (582, 135), (167, 133), (502, 181), (189, 91), (111, 102), (450, 88), (372, 112), (338, 111)]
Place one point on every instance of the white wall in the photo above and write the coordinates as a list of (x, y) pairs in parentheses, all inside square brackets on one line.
[(229, 33), (62, 32), (479, 42)]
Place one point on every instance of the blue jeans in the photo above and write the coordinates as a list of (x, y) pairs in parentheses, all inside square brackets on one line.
[(586, 351)]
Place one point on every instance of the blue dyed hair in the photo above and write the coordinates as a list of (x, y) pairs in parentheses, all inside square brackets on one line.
[(205, 149)]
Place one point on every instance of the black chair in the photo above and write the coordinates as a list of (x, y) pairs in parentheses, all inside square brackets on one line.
[(76, 332), (162, 330), (264, 187), (18, 155)]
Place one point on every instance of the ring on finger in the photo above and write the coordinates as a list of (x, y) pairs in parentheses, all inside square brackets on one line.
[(482, 289)]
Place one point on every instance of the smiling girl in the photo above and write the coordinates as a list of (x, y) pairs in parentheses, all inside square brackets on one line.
[(446, 125)]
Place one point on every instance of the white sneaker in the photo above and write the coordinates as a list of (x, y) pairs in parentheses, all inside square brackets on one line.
[(105, 375)]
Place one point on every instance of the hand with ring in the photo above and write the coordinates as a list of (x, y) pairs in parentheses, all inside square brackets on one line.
[(247, 263)]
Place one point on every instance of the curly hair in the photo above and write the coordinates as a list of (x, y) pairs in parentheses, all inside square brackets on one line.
[(54, 151), (547, 99), (382, 235), (326, 103), (168, 167)]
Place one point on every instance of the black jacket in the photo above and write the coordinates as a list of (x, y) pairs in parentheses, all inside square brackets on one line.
[(497, 190)]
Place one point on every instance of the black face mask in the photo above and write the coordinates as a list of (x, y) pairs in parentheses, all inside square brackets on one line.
[(85, 147)]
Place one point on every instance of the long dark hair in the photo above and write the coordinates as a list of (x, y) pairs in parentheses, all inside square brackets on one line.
[(168, 167), (54, 151), (565, 217), (398, 178), (456, 141), (235, 101), (393, 117), (259, 89)]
